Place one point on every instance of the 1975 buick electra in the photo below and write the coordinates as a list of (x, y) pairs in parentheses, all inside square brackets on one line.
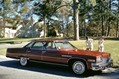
[(61, 52)]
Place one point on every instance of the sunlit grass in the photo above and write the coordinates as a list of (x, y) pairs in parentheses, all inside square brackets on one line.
[(16, 40), (3, 51)]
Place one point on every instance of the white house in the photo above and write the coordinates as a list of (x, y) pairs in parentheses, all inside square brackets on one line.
[(9, 33)]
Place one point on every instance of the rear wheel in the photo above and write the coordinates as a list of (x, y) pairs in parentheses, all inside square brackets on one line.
[(78, 67), (23, 61)]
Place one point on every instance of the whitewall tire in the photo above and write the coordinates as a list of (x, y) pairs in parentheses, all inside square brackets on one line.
[(23, 61)]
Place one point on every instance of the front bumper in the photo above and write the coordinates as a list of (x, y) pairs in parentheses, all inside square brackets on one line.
[(102, 66)]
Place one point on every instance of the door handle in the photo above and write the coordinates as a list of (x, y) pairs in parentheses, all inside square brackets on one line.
[(28, 51)]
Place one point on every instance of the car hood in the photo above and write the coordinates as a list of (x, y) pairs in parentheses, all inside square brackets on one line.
[(87, 53)]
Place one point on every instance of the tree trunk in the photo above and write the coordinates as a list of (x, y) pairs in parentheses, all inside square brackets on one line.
[(102, 25), (102, 19), (45, 32), (117, 29), (3, 20), (76, 19), (84, 24), (108, 29)]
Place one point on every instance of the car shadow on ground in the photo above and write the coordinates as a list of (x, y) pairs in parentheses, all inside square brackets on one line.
[(49, 69)]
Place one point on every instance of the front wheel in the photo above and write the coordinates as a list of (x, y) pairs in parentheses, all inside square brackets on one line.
[(78, 67), (23, 61)]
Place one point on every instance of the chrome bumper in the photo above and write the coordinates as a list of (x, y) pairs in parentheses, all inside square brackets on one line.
[(102, 66)]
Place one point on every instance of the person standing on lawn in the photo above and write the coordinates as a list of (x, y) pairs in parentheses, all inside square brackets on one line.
[(101, 44), (89, 43)]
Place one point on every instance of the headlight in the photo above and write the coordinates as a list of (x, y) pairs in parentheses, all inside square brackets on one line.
[(99, 59)]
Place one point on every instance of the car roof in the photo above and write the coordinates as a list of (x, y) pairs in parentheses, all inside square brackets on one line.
[(49, 40)]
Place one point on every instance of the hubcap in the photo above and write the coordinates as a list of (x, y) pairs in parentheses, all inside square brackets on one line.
[(23, 61), (78, 67)]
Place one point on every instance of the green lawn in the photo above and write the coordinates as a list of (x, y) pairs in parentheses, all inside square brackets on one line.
[(15, 40), (111, 46), (3, 51)]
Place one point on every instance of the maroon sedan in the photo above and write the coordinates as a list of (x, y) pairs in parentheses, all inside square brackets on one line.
[(61, 52)]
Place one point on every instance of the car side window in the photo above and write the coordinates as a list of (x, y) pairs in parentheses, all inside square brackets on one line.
[(29, 44), (38, 45), (49, 45)]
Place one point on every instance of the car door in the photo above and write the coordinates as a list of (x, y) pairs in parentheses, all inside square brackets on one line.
[(51, 54), (35, 51)]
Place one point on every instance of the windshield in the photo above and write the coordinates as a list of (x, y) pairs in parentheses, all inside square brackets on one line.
[(64, 45)]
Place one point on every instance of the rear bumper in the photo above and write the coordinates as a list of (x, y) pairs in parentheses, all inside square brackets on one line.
[(102, 66)]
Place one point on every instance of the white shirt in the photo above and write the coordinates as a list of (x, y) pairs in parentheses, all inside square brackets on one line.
[(89, 43)]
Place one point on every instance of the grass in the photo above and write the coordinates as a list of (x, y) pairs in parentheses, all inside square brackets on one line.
[(111, 46), (3, 51), (19, 40), (16, 40)]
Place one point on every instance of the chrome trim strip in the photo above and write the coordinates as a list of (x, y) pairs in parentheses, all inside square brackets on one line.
[(44, 62), (66, 56)]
